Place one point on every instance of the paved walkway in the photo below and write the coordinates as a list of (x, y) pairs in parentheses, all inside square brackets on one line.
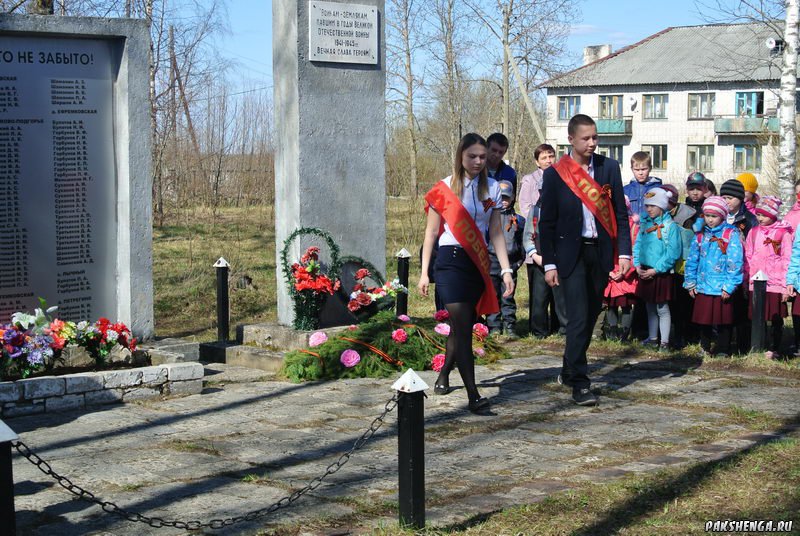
[(248, 441)]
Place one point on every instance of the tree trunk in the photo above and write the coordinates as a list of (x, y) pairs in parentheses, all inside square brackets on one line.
[(506, 126), (410, 119), (787, 167)]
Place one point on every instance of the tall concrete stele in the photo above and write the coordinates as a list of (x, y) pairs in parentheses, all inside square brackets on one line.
[(75, 183), (329, 82)]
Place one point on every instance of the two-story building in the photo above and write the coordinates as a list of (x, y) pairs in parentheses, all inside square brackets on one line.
[(695, 97)]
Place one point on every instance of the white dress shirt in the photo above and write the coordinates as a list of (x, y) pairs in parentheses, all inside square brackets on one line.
[(470, 198)]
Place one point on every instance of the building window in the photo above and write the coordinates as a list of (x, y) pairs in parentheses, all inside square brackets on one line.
[(700, 158), (701, 105), (567, 107), (658, 154), (610, 107), (561, 150), (749, 103), (747, 158), (655, 106), (611, 151)]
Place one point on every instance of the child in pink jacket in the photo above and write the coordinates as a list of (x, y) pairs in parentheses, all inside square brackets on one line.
[(768, 249)]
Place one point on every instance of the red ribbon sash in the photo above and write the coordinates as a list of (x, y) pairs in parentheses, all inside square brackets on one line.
[(463, 227), (597, 198)]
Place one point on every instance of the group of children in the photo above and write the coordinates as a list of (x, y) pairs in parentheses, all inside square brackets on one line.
[(693, 262)]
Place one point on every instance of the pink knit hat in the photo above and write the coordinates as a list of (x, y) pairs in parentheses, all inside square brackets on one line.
[(769, 206), (716, 205)]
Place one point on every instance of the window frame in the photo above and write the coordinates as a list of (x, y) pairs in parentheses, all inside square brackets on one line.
[(758, 157), (572, 106), (664, 98), (662, 158), (700, 96), (607, 150), (616, 103), (744, 100), (700, 158)]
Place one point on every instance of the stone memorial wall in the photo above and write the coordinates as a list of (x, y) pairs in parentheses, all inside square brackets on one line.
[(72, 170)]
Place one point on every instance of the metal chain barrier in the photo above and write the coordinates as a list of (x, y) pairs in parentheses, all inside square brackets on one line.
[(158, 522)]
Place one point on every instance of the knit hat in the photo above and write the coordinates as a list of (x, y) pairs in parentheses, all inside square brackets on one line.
[(673, 200), (696, 180), (769, 206), (506, 189), (716, 205), (749, 182), (733, 188), (658, 197)]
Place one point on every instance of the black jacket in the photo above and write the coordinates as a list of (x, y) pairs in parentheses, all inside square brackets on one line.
[(561, 221)]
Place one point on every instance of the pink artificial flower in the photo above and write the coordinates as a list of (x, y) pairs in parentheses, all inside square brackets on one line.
[(480, 352), (317, 338), (352, 327), (404, 318), (350, 358), (442, 329), (399, 336), (480, 331), (441, 315), (437, 362)]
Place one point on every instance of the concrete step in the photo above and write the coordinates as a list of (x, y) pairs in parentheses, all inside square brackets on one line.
[(279, 338), (253, 357)]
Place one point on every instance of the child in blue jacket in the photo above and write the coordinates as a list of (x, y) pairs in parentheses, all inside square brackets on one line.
[(713, 272), (654, 255)]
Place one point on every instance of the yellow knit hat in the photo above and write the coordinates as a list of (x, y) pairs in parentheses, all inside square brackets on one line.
[(749, 182)]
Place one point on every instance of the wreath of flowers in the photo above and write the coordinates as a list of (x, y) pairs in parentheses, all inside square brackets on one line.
[(307, 284)]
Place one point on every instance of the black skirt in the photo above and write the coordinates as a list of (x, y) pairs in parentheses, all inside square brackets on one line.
[(458, 280)]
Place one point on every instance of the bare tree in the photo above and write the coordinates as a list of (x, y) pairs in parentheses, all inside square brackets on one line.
[(402, 23), (788, 131)]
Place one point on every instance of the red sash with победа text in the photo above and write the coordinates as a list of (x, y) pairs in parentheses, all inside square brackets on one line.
[(463, 227), (596, 198)]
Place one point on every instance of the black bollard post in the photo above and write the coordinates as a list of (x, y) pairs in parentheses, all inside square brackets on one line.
[(411, 449), (758, 330), (223, 304), (7, 480), (403, 258)]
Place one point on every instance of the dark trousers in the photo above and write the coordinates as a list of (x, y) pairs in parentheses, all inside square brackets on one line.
[(583, 295), (507, 317), (722, 336), (540, 296)]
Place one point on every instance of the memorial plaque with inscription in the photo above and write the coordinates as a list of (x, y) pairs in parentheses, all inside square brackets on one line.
[(342, 33), (57, 176)]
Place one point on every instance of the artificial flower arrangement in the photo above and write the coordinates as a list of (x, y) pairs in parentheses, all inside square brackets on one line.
[(34, 342), (381, 347), (309, 285), (365, 301)]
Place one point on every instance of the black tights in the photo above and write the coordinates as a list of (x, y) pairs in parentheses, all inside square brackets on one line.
[(459, 348)]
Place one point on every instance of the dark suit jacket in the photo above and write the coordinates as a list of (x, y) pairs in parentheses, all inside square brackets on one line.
[(561, 220)]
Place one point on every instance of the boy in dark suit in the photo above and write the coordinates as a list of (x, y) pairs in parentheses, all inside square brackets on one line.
[(583, 226)]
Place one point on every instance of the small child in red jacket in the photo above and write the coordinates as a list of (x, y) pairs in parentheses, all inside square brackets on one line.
[(620, 294)]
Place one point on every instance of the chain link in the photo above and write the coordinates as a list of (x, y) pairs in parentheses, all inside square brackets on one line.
[(158, 522)]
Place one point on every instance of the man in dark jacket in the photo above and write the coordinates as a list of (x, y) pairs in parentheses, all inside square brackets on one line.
[(582, 198), (495, 165), (513, 226)]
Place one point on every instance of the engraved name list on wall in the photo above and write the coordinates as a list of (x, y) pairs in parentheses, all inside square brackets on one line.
[(57, 177)]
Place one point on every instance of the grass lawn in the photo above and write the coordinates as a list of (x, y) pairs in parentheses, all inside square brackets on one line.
[(185, 249)]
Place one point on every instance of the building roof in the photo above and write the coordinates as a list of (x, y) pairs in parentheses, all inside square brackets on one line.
[(685, 54)]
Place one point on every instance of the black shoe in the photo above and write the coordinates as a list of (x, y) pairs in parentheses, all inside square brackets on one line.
[(442, 387), (624, 335), (584, 397), (479, 404)]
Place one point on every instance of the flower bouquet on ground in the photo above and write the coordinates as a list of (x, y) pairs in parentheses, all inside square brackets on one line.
[(34, 342), (366, 301), (381, 347)]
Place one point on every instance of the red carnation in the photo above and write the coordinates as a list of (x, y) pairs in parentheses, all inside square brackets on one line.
[(353, 306), (361, 274), (363, 299)]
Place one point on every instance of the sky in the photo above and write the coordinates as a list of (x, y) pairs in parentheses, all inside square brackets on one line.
[(616, 22)]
